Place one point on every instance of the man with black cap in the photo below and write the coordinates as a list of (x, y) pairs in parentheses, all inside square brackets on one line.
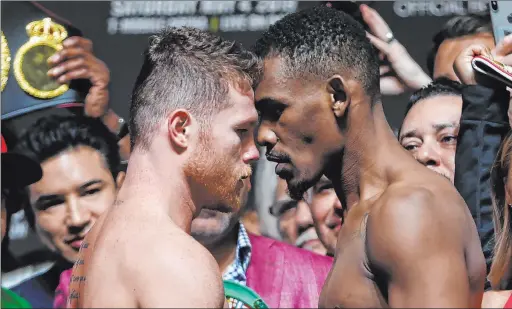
[(18, 171)]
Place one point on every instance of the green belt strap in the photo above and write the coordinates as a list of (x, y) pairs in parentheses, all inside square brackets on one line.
[(13, 300), (243, 294)]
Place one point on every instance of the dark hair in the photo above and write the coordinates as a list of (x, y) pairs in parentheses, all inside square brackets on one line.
[(440, 86), (321, 41), (186, 68), (457, 27), (52, 135), (500, 274)]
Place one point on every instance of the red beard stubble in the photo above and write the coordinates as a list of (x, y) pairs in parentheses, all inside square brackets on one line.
[(218, 174)]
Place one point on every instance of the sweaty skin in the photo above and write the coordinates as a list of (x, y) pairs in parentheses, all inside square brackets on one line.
[(407, 239)]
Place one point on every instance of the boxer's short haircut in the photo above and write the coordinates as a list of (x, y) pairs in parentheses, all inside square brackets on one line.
[(320, 42), (186, 68), (53, 135), (457, 27)]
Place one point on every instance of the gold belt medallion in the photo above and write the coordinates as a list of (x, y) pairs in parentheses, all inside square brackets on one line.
[(6, 61), (30, 64)]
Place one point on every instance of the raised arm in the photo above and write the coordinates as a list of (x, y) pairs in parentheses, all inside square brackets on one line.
[(418, 247)]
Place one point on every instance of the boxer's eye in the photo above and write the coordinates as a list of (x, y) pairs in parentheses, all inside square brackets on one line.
[(270, 109)]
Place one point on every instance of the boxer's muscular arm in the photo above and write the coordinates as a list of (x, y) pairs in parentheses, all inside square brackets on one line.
[(419, 252), (177, 276)]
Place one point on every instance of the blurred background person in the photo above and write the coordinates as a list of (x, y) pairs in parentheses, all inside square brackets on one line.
[(501, 270), (328, 213), (81, 175), (295, 221), (456, 34), (250, 219), (18, 171)]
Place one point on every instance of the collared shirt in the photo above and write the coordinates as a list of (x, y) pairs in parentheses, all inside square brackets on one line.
[(236, 270)]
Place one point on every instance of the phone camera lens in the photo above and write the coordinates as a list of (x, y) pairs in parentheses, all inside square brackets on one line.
[(494, 5)]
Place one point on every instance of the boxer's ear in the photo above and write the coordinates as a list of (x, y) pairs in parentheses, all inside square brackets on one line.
[(179, 129), (340, 98)]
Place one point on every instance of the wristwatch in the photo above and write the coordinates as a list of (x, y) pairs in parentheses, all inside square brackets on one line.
[(116, 124)]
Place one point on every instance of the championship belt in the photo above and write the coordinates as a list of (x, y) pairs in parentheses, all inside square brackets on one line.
[(31, 61), (243, 294), (6, 61)]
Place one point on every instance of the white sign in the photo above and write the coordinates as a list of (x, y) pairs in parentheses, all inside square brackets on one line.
[(146, 17), (437, 8)]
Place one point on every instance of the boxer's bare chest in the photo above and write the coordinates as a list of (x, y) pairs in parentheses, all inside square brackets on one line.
[(78, 278), (350, 283)]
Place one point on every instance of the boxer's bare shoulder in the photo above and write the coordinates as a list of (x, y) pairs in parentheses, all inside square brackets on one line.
[(414, 245), (174, 271), (142, 259), (421, 236)]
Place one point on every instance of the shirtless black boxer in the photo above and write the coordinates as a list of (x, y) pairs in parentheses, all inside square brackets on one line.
[(408, 239)]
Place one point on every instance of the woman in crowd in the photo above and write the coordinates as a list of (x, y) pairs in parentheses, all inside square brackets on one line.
[(500, 275)]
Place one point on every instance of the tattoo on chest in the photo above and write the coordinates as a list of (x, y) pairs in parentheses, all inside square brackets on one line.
[(80, 261), (78, 278), (74, 295)]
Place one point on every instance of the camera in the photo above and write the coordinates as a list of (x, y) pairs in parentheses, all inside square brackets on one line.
[(494, 6)]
